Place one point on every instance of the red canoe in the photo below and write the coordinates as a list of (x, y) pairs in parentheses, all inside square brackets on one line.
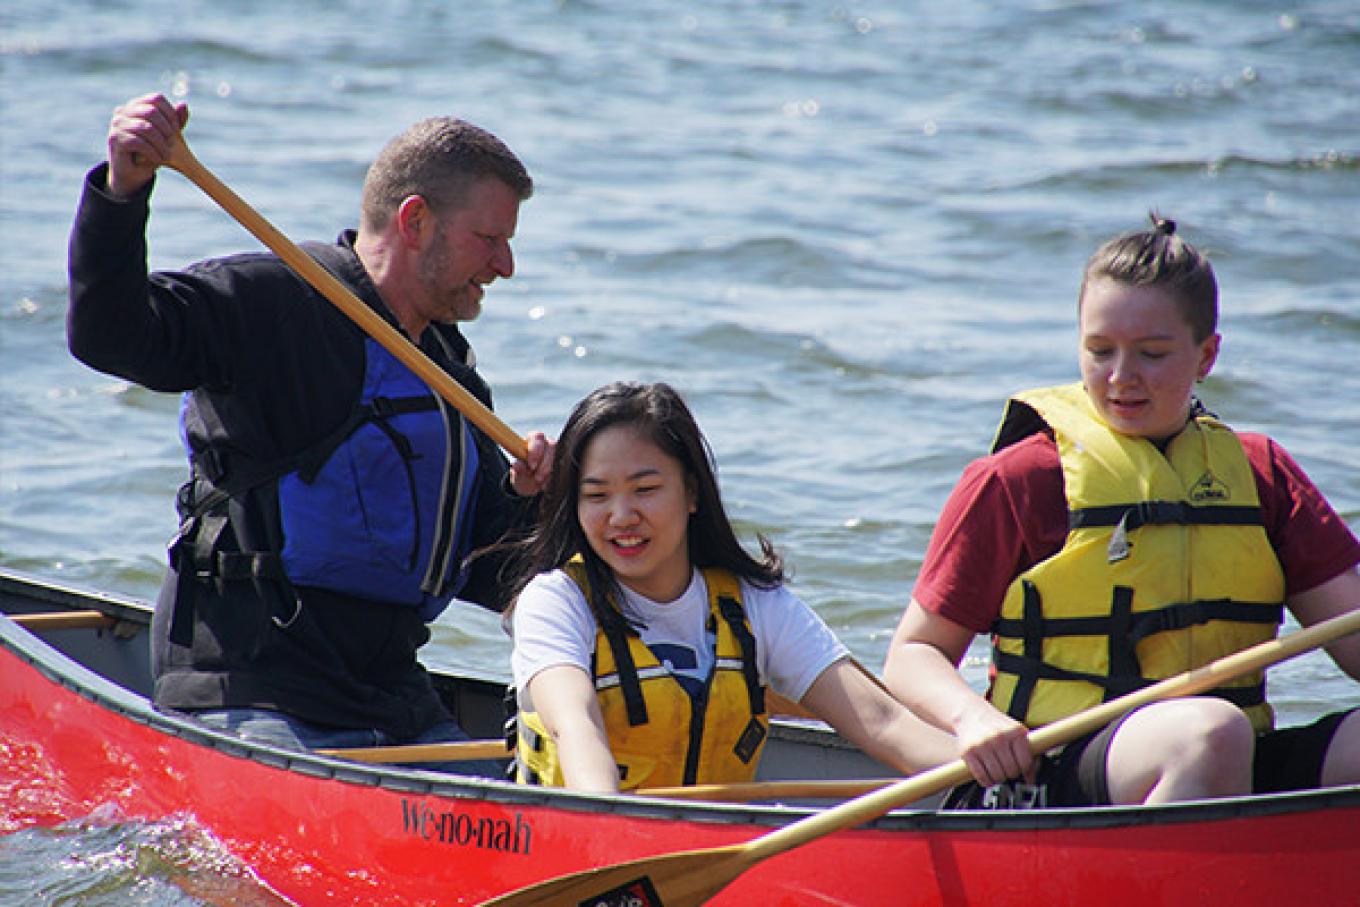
[(77, 736)]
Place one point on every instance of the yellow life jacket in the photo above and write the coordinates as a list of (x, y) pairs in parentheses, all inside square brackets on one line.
[(1166, 567), (659, 735)]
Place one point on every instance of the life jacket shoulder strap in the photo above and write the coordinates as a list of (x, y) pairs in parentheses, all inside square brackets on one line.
[(732, 612)]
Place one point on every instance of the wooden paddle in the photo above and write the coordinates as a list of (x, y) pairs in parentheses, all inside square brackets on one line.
[(183, 160), (691, 877)]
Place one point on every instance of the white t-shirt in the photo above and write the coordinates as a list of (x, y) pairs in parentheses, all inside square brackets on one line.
[(552, 625)]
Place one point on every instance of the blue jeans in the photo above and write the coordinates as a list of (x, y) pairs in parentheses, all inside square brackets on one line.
[(287, 732)]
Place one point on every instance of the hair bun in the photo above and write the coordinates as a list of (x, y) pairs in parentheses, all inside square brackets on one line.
[(1163, 225)]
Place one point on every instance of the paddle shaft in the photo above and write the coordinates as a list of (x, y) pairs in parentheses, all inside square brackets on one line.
[(1199, 680), (183, 160)]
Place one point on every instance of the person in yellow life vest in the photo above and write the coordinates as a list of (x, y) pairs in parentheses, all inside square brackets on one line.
[(1118, 534), (646, 637)]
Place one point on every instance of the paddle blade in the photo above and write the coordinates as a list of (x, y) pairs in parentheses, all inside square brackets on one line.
[(685, 879)]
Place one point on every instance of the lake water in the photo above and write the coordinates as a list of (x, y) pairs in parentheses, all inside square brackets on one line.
[(845, 231)]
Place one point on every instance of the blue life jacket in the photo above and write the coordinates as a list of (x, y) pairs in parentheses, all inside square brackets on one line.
[(380, 509), (385, 516)]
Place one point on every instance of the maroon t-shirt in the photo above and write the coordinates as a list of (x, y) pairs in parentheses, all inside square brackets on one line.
[(1008, 512)]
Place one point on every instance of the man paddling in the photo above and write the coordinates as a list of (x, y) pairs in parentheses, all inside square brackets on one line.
[(333, 501)]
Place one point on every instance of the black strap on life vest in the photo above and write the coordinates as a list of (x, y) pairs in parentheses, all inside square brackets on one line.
[(629, 684), (1164, 513), (753, 735), (732, 612), (1123, 630), (1034, 628), (207, 546), (1027, 666)]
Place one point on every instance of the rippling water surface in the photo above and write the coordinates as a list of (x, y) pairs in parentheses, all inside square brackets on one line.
[(844, 231)]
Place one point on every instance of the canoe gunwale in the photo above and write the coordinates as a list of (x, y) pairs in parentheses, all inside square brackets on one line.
[(70, 674), (19, 586)]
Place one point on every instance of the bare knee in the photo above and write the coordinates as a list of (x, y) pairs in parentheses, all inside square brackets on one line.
[(1212, 755), (1182, 750), (1217, 735)]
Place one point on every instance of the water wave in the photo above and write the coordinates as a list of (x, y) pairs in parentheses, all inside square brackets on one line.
[(76, 55), (99, 862), (1123, 171)]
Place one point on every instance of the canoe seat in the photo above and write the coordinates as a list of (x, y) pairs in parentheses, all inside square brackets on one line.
[(64, 620)]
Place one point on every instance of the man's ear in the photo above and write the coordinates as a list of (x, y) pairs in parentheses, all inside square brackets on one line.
[(414, 221)]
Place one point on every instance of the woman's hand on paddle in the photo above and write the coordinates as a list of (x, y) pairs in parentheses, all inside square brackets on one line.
[(142, 133), (922, 671), (529, 476), (994, 745)]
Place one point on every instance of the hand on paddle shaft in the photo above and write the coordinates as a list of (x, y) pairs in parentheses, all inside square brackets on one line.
[(530, 472), (142, 136), (145, 134), (690, 878)]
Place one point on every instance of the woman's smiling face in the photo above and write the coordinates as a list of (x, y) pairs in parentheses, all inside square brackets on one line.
[(633, 505), (1139, 358)]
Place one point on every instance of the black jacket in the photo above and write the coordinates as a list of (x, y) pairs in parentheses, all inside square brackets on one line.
[(278, 368)]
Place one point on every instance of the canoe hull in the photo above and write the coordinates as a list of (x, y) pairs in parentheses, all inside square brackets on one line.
[(324, 831)]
